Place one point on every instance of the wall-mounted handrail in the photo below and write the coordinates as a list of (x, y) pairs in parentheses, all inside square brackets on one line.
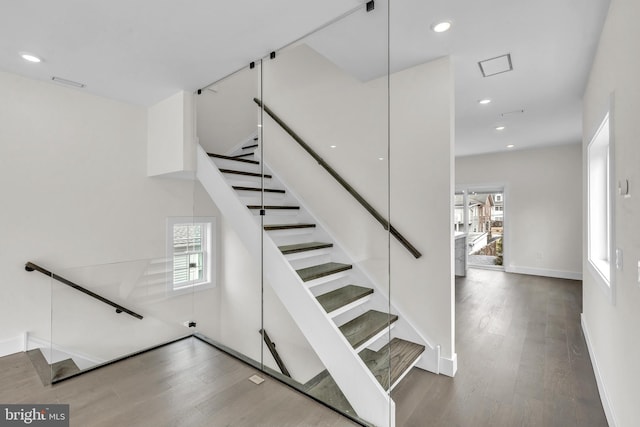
[(272, 348), (395, 233), (29, 266)]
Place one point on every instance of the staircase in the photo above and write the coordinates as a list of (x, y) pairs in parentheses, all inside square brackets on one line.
[(345, 318)]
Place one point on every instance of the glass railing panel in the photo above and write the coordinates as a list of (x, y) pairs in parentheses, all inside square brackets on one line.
[(421, 81), (101, 313), (325, 139), (228, 128)]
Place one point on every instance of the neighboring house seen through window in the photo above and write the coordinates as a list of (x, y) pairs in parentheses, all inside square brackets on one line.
[(191, 253)]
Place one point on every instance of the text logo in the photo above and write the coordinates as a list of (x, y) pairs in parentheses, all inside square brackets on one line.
[(34, 415)]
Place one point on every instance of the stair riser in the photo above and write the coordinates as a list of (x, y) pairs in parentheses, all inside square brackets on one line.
[(347, 308), (342, 276), (290, 237), (309, 261), (269, 199), (242, 180), (382, 335), (235, 165), (323, 253)]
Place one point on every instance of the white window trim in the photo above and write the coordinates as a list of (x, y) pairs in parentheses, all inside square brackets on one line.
[(209, 259), (601, 268)]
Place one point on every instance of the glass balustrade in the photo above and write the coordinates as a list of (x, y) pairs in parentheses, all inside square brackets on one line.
[(101, 313)]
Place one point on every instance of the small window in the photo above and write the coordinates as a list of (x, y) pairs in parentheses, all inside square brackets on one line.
[(191, 256), (599, 209)]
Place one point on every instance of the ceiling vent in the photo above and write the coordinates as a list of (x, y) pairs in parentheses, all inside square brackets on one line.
[(498, 65), (512, 113), (67, 82)]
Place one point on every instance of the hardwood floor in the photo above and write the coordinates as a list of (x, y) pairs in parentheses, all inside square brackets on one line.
[(522, 362), (188, 383), (522, 359)]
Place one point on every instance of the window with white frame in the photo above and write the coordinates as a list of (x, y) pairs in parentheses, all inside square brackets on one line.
[(191, 254), (599, 204)]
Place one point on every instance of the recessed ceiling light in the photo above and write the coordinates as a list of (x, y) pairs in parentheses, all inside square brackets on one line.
[(484, 101), (510, 146), (499, 127), (30, 57), (380, 158), (332, 146), (441, 27)]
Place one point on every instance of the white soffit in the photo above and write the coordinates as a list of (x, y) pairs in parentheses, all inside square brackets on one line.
[(498, 65)]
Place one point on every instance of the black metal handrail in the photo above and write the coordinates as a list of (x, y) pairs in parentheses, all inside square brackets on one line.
[(29, 266), (272, 348), (387, 226)]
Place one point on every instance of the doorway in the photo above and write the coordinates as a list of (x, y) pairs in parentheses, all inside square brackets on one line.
[(479, 215)]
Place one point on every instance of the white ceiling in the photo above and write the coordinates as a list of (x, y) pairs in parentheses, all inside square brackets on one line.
[(145, 50)]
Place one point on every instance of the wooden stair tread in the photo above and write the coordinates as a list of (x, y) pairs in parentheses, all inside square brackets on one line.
[(287, 226), (246, 147), (64, 368), (266, 190), (244, 173), (40, 364), (303, 247), (272, 207), (390, 362), (366, 326), (235, 159), (338, 298), (322, 270), (325, 389)]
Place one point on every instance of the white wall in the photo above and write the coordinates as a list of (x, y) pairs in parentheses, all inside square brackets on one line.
[(171, 136), (611, 329), (75, 192), (422, 179), (543, 199), (226, 112)]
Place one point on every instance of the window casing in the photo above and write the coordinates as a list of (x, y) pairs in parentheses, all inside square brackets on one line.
[(600, 206), (190, 252)]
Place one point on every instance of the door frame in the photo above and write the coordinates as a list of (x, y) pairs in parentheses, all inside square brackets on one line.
[(494, 187)]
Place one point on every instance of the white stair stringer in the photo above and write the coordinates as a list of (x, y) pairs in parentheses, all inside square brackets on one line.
[(367, 397)]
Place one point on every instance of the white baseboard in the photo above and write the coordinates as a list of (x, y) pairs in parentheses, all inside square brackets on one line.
[(559, 274), (56, 353), (449, 367), (604, 397), (13, 345)]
